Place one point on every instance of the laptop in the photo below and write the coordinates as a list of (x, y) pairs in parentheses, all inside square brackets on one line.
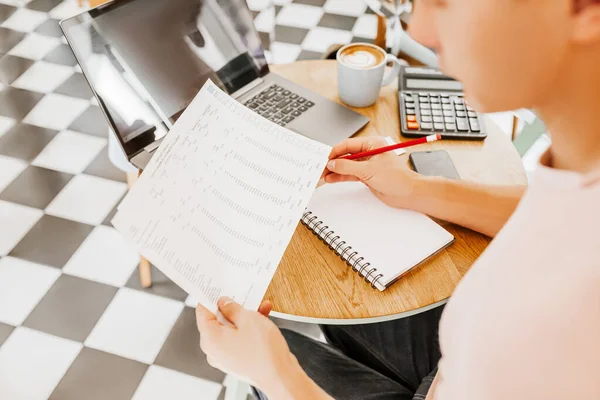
[(145, 61)]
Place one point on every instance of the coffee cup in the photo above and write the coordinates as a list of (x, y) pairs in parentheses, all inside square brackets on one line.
[(361, 73)]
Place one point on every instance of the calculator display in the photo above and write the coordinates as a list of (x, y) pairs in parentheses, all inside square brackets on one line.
[(436, 84)]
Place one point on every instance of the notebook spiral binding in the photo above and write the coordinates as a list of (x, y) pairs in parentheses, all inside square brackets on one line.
[(341, 248)]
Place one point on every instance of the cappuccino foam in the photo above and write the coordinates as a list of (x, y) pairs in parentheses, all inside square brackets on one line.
[(361, 56)]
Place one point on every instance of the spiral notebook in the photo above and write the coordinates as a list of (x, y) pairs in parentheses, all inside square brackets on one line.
[(378, 242)]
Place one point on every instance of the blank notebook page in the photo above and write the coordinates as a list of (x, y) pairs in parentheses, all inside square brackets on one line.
[(392, 240)]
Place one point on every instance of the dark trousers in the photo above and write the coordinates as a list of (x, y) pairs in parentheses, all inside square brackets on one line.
[(384, 361)]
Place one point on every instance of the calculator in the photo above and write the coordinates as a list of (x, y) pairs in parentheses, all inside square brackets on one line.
[(431, 102)]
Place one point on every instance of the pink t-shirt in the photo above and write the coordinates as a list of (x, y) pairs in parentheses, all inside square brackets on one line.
[(524, 323)]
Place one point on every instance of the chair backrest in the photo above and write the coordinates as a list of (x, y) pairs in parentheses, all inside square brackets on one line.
[(530, 133)]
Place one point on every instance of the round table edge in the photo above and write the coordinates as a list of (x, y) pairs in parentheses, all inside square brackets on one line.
[(357, 321)]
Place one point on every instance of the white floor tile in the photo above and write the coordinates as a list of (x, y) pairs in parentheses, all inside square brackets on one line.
[(319, 39), (161, 383), (258, 5), (265, 21), (22, 286), (269, 56), (5, 124), (191, 302), (300, 15), (34, 46), (354, 8), (10, 168), (15, 221), (87, 199), (25, 20), (16, 3), (43, 77), (56, 111), (284, 53), (366, 26), (70, 152), (32, 363), (135, 325), (104, 257), (66, 9)]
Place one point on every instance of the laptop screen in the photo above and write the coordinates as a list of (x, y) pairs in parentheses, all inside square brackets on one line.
[(147, 59)]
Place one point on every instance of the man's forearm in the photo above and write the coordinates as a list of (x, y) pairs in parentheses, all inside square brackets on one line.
[(483, 208)]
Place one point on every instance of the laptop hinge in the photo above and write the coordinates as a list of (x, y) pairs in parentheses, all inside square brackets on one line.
[(154, 145), (252, 85)]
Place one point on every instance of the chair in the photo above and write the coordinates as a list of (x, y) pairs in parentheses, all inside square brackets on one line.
[(392, 35), (529, 134)]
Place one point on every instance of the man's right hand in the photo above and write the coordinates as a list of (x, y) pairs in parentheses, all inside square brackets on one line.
[(387, 175)]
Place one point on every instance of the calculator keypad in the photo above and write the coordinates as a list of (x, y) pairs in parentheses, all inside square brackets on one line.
[(443, 113)]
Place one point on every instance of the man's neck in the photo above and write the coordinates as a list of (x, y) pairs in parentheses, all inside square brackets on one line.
[(572, 116)]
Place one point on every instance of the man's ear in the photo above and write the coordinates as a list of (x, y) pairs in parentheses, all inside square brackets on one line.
[(587, 22)]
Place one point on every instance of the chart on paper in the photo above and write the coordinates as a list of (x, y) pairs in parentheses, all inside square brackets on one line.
[(220, 200)]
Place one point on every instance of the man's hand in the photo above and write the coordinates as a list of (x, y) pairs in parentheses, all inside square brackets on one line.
[(253, 349), (387, 175)]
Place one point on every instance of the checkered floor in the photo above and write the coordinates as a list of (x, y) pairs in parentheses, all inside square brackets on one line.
[(74, 321)]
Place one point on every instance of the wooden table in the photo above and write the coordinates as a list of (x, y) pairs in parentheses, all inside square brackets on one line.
[(313, 285)]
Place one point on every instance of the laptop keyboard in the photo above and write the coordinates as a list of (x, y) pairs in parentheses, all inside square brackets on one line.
[(279, 105)]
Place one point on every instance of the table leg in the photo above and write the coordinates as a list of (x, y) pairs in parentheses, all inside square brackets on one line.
[(381, 32), (145, 273), (515, 124)]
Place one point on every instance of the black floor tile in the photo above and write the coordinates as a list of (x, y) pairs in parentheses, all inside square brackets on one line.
[(358, 39), (316, 3), (335, 21), (49, 28), (96, 375), (11, 67), (308, 55), (61, 55), (103, 168), (25, 141), (52, 241), (265, 39), (5, 331), (16, 103), (161, 285), (92, 122), (76, 86), (182, 353), (43, 5), (288, 34), (35, 187), (6, 11), (71, 307), (9, 39)]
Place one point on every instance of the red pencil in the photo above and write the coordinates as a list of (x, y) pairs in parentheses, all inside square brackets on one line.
[(426, 139)]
